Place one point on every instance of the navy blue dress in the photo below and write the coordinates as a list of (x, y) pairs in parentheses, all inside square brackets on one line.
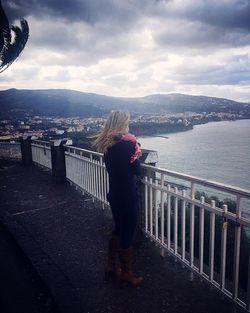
[(123, 195)]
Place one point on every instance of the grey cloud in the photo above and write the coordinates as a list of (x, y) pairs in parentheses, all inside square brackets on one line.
[(120, 14), (230, 14), (223, 23), (232, 72), (80, 30), (79, 44), (74, 10), (204, 24), (226, 14), (190, 35)]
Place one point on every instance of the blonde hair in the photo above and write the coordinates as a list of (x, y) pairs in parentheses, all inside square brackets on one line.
[(116, 125)]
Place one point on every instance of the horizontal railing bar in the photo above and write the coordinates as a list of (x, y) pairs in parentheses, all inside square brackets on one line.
[(82, 158), (41, 141), (222, 187), (40, 146), (229, 215), (187, 198), (84, 150), (204, 182)]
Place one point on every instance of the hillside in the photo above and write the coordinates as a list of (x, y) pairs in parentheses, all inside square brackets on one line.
[(66, 103)]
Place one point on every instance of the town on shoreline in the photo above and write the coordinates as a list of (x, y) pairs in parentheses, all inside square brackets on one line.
[(79, 129)]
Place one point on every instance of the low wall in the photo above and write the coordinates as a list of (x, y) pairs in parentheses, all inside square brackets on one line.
[(10, 150)]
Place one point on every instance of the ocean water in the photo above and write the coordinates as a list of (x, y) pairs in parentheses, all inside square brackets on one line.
[(217, 151)]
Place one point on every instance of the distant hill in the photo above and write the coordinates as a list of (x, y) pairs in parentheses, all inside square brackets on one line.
[(66, 103)]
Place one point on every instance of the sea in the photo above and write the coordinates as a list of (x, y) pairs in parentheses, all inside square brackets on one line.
[(216, 151)]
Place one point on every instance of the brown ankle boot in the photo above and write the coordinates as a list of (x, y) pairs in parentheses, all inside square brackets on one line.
[(126, 257), (111, 271)]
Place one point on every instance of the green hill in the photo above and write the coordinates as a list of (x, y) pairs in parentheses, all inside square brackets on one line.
[(66, 103)]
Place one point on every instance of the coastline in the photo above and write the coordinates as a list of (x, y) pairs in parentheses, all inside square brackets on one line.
[(185, 129)]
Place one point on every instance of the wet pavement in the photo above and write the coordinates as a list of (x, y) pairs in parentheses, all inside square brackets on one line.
[(65, 236)]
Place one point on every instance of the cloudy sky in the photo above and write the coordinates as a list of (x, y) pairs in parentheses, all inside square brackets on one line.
[(134, 47)]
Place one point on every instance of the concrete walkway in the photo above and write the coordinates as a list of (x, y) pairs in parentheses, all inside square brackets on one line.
[(21, 288), (65, 237)]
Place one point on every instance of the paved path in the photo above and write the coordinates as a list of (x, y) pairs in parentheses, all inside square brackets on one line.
[(65, 237), (21, 289)]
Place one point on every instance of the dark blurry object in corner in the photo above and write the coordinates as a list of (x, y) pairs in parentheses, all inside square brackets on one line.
[(12, 40)]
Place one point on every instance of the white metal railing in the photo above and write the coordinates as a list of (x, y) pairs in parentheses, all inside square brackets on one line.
[(165, 201), (41, 153), (86, 170), (196, 231)]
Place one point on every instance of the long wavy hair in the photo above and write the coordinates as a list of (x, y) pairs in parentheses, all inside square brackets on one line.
[(115, 126)]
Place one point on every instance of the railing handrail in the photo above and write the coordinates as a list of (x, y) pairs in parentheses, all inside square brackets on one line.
[(193, 179), (84, 150), (201, 181), (40, 142), (207, 206)]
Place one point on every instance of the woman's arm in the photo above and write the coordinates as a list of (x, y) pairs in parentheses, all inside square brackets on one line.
[(136, 167)]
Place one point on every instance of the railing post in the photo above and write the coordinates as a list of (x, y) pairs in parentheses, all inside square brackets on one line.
[(58, 159), (26, 150), (149, 157)]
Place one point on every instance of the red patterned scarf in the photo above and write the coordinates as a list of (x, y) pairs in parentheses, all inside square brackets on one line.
[(138, 153)]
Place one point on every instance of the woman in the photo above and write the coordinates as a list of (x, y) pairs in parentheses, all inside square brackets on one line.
[(121, 157)]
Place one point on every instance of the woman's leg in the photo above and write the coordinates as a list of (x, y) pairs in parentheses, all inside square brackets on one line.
[(113, 244), (128, 224), (116, 218)]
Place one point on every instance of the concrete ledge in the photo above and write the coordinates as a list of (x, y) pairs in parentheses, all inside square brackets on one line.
[(149, 156)]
